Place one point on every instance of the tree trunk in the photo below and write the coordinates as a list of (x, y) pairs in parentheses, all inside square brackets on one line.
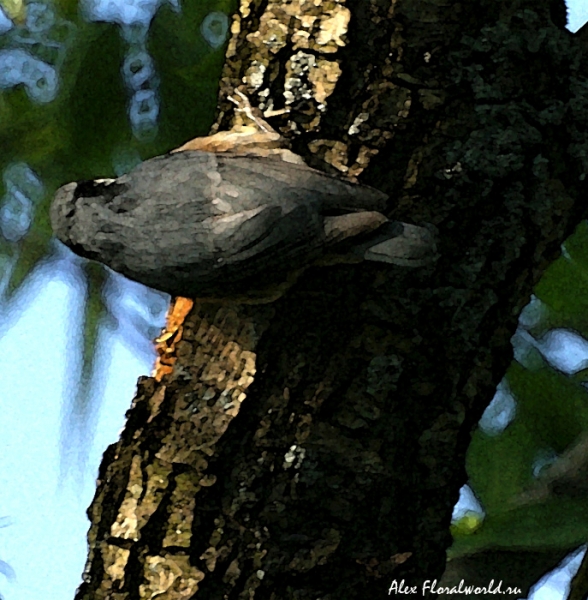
[(313, 447)]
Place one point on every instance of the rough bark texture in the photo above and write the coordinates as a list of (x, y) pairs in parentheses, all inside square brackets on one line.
[(314, 447)]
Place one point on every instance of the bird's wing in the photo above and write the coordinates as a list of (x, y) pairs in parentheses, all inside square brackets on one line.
[(278, 179)]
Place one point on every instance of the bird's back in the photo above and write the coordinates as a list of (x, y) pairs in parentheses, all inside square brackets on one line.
[(198, 223)]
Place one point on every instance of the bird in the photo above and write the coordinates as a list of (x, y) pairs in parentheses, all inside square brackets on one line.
[(225, 216)]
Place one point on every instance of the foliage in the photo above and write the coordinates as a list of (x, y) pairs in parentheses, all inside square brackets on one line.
[(82, 98), (524, 507)]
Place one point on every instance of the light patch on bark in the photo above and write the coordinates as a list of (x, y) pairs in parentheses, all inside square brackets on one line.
[(142, 498), (171, 577), (115, 560)]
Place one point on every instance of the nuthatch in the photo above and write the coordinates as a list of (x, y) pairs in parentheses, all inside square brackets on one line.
[(229, 214)]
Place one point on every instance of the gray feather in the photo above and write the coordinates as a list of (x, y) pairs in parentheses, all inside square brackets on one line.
[(198, 224)]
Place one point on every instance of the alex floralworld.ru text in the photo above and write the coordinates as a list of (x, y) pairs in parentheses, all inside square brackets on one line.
[(430, 587)]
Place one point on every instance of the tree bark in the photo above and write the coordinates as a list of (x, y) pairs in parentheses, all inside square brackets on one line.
[(313, 447)]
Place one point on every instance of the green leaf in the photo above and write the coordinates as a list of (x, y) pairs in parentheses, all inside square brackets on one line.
[(559, 523), (14, 9)]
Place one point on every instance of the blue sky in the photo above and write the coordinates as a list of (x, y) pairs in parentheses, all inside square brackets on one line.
[(46, 514), (45, 543)]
